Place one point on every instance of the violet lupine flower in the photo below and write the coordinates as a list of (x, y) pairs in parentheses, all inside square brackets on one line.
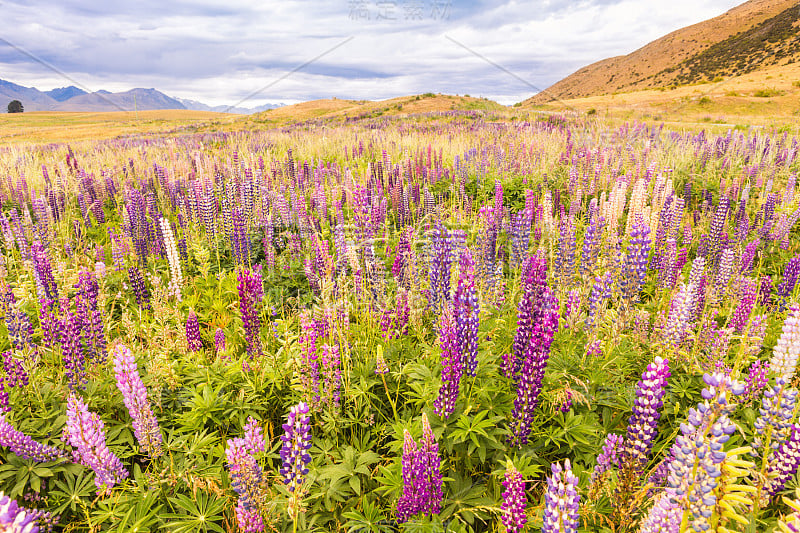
[(747, 300), (139, 287), (380, 365), (562, 502), (24, 446), (193, 340), (514, 501), (775, 415), (610, 455), (591, 246), (332, 372), (643, 423), (664, 516), (249, 521), (783, 466), (636, 262), (72, 351), (422, 479), (92, 333), (219, 340), (786, 286), (698, 451), (572, 305), (765, 291), (43, 271), (254, 436), (680, 312), (756, 379), (441, 252), (247, 478), (594, 349), (520, 235), (543, 316), (452, 365), (14, 518), (85, 432), (294, 451), (564, 267), (251, 292), (534, 282), (466, 311), (596, 300), (787, 350), (134, 394)]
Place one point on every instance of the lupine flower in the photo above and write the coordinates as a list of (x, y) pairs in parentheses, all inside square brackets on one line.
[(247, 479), (775, 415), (679, 316), (251, 293), (72, 351), (747, 300), (139, 287), (514, 501), (562, 502), (15, 519), (219, 340), (380, 365), (765, 291), (422, 480), (698, 451), (609, 456), (786, 286), (787, 350), (664, 516), (43, 271), (466, 310), (24, 446), (643, 423), (756, 379), (249, 520), (193, 340), (594, 349), (784, 464), (134, 394), (452, 365), (175, 273), (254, 436), (294, 451), (636, 262), (440, 259), (85, 432)]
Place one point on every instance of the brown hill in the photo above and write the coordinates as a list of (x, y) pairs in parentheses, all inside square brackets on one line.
[(752, 35)]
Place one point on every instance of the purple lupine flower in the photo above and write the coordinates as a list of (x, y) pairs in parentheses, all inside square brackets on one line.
[(380, 365), (249, 521), (678, 321), (43, 271), (756, 379), (610, 455), (251, 293), (85, 432), (572, 305), (72, 351), (596, 300), (591, 246), (786, 286), (247, 478), (24, 446), (219, 340), (92, 333), (49, 323), (134, 394), (564, 266), (332, 371), (514, 501), (698, 451), (254, 436), (466, 310), (664, 516), (594, 348), (544, 315), (193, 340), (749, 253), (534, 282), (521, 235), (14, 518), (294, 451), (140, 290), (422, 479), (643, 423), (635, 269), (747, 300), (452, 365), (562, 501), (765, 291), (783, 466), (775, 415), (440, 262)]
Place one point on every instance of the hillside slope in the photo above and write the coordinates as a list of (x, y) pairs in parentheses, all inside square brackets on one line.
[(755, 33)]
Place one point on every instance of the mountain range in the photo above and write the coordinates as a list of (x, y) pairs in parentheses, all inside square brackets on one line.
[(75, 99), (753, 36)]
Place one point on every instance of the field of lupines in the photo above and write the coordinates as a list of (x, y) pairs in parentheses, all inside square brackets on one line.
[(436, 324)]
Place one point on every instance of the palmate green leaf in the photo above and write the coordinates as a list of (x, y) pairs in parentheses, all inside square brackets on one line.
[(133, 513), (203, 512), (370, 519), (467, 499)]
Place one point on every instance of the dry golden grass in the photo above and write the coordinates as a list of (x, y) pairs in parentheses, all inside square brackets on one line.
[(47, 126), (637, 69), (734, 101)]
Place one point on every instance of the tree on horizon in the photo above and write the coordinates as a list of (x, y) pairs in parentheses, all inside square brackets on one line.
[(15, 106)]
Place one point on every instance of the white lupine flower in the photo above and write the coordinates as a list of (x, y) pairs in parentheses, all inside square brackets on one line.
[(786, 351)]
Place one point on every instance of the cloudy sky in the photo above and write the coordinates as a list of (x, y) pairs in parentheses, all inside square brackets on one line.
[(223, 52)]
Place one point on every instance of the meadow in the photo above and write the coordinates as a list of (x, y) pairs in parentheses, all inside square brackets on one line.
[(445, 321)]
